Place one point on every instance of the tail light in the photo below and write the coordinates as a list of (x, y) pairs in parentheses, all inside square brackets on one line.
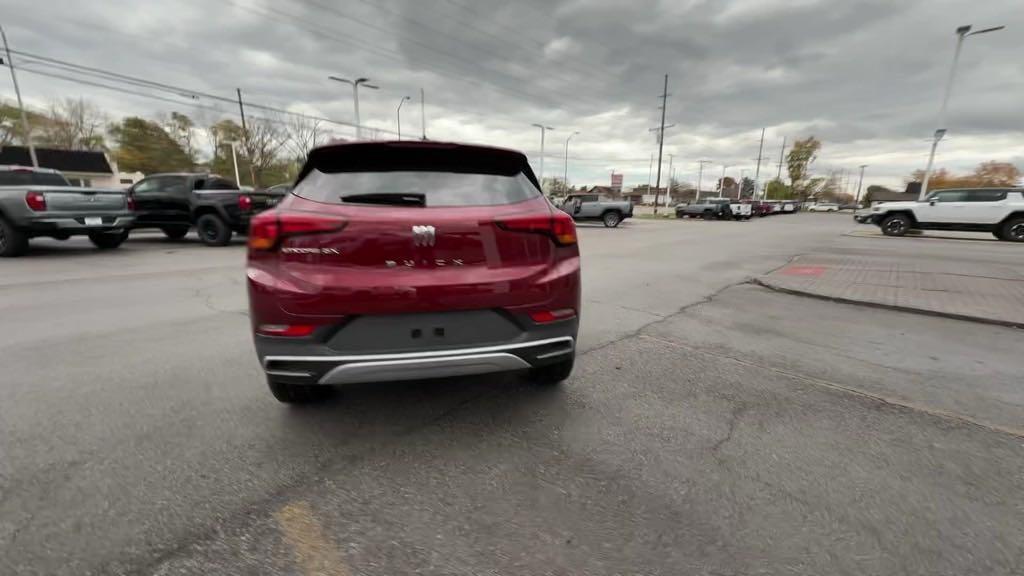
[(245, 203), (549, 316), (285, 330), (268, 228), (558, 226), (130, 201), (36, 201)]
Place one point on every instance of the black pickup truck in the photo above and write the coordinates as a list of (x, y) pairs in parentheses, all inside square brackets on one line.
[(174, 203)]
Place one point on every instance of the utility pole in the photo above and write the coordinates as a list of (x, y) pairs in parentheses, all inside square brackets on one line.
[(661, 142), (700, 175), (782, 153), (21, 106), (757, 171), (423, 115), (245, 138), (860, 181), (543, 128)]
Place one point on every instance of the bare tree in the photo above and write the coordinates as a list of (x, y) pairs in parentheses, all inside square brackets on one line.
[(304, 134), (74, 124), (262, 142)]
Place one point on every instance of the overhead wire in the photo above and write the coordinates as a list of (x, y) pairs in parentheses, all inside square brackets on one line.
[(180, 90)]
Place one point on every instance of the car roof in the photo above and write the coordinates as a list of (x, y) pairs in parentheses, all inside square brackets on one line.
[(15, 167)]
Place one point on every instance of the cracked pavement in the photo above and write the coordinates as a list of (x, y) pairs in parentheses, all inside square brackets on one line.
[(711, 427)]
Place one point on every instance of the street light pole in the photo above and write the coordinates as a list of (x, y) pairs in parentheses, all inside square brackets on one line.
[(700, 175), (21, 107), (399, 114), (355, 97), (234, 159), (543, 129), (565, 175), (423, 115), (860, 181), (961, 33)]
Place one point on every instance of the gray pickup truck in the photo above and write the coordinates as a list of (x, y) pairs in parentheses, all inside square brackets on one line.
[(713, 208), (594, 207), (40, 202)]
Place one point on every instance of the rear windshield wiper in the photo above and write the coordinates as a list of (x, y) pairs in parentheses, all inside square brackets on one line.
[(389, 199)]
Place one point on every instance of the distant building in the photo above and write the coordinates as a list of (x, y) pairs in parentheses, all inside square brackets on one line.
[(87, 168), (606, 191)]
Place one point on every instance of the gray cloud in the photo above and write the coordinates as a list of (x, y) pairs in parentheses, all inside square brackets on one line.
[(864, 76)]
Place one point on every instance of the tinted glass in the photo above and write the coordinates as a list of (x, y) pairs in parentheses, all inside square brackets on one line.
[(951, 196), (173, 184), (219, 184), (985, 195), (29, 178), (438, 188)]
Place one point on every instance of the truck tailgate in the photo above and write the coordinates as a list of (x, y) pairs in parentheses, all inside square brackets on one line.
[(82, 200)]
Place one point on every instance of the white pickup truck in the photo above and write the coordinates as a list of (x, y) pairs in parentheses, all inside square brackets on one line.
[(996, 210)]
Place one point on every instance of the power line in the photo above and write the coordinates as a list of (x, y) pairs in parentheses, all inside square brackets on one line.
[(179, 90)]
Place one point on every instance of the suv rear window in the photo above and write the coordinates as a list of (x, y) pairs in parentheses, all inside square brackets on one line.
[(436, 188), (30, 178)]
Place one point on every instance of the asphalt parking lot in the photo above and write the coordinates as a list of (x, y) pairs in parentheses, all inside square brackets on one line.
[(712, 426)]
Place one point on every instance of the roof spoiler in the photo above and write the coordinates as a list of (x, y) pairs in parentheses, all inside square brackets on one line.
[(417, 156)]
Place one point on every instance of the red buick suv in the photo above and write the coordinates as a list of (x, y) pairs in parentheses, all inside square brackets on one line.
[(412, 260)]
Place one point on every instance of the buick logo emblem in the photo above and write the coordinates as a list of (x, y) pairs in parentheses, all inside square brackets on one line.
[(423, 235)]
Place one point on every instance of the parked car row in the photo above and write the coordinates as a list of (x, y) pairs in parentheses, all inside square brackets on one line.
[(38, 202), (726, 208)]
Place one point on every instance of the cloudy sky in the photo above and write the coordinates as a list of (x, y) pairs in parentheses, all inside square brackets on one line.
[(864, 76)]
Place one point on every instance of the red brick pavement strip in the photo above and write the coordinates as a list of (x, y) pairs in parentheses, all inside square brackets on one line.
[(976, 292)]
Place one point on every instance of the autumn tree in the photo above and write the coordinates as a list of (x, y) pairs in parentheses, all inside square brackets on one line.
[(798, 164), (144, 146), (778, 190), (994, 174), (183, 130)]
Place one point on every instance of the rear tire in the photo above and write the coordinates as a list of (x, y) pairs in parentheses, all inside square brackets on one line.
[(298, 393), (213, 231), (175, 232), (108, 240), (552, 374), (611, 219), (895, 225), (13, 242), (1012, 230)]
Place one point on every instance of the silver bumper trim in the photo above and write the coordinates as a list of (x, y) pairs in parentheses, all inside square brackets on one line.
[(416, 365), (421, 368), (431, 354)]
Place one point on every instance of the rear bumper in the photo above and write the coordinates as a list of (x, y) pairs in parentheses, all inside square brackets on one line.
[(74, 225), (350, 369)]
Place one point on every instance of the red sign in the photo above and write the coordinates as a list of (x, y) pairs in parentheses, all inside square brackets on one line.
[(617, 181)]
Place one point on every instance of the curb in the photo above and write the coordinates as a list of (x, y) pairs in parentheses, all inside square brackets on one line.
[(963, 317)]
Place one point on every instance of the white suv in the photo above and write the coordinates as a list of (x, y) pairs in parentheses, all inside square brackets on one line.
[(996, 210)]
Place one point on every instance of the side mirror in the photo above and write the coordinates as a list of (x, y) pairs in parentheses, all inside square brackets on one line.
[(931, 201)]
